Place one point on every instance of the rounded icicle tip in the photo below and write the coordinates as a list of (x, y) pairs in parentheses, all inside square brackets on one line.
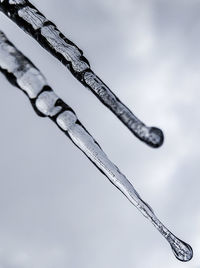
[(183, 253), (156, 137)]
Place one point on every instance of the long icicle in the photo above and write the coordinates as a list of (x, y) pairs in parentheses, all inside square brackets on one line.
[(27, 17), (23, 74)]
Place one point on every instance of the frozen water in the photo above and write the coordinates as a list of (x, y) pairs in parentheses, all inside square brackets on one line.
[(47, 104), (14, 2), (31, 16), (47, 34), (27, 76), (68, 51)]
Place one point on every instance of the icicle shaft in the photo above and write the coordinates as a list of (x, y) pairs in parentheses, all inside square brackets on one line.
[(27, 17), (22, 73)]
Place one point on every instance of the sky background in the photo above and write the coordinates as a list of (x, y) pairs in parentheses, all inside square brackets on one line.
[(56, 208)]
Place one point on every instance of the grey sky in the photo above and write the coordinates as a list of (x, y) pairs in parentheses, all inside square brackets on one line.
[(57, 209)]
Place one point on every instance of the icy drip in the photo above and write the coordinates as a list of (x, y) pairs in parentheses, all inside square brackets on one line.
[(47, 34), (47, 103), (151, 135), (181, 250)]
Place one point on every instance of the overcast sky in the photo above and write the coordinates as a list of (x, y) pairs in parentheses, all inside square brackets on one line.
[(56, 208)]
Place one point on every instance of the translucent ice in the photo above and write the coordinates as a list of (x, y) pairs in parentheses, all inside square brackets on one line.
[(50, 105), (48, 35)]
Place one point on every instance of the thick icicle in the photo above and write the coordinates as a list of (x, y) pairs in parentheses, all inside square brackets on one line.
[(47, 34), (22, 73)]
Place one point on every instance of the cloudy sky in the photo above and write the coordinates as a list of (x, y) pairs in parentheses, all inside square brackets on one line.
[(57, 209)]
